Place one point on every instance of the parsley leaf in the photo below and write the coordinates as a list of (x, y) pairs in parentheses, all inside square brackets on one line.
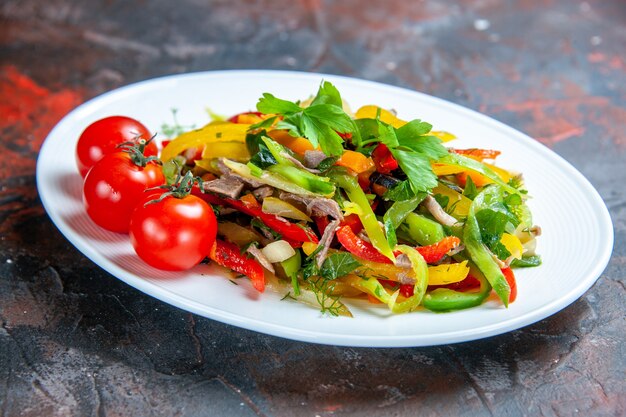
[(263, 124), (269, 104), (428, 145), (526, 262), (319, 123), (417, 168), (443, 200), (338, 264), (413, 129), (470, 191), (327, 94), (327, 163), (493, 222), (399, 192), (261, 155), (373, 130)]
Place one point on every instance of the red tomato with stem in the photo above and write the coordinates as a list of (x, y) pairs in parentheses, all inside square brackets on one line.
[(113, 188), (103, 136), (173, 234)]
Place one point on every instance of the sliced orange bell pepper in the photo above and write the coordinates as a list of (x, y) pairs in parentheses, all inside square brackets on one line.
[(356, 161), (298, 145)]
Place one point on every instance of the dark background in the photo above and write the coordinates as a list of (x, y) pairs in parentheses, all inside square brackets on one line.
[(76, 341)]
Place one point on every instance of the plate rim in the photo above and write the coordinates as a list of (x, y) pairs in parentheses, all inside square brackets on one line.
[(320, 337)]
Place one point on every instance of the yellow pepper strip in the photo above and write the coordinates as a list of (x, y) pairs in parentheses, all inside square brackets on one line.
[(444, 136), (460, 203), (502, 173), (235, 150), (308, 248), (447, 273), (356, 161), (207, 135), (513, 245), (370, 112), (298, 145), (441, 169)]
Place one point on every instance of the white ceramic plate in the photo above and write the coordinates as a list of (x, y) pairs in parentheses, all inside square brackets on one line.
[(577, 231)]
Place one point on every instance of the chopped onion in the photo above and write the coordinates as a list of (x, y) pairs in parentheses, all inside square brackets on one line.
[(278, 251), (273, 205)]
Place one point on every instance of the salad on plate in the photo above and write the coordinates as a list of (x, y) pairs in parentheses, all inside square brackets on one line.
[(318, 203)]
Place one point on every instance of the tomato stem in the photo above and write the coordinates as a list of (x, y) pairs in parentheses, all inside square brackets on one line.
[(181, 187), (136, 151)]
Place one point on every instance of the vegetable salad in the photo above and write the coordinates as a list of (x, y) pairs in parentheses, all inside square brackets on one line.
[(322, 204)]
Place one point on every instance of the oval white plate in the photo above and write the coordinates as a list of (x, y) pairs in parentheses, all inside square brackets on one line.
[(576, 243)]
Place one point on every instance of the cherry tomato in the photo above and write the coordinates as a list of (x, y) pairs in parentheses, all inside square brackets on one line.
[(113, 188), (173, 234), (102, 137)]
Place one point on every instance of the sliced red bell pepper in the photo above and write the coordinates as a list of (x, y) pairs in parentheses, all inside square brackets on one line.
[(364, 181), (344, 136), (406, 290), (477, 153), (353, 221), (433, 253), (383, 159), (510, 279), (228, 255), (321, 222), (288, 230), (359, 247), (363, 249)]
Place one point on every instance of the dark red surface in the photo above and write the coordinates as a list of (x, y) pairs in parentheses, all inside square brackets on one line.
[(76, 341)]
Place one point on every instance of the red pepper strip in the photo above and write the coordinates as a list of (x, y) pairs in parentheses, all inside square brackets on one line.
[(321, 222), (364, 180), (433, 253), (510, 279), (363, 249), (359, 247), (289, 231), (383, 159), (477, 153), (406, 290), (228, 255), (345, 136), (353, 221), (235, 118)]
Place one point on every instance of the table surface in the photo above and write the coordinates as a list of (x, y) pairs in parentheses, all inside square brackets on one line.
[(75, 341)]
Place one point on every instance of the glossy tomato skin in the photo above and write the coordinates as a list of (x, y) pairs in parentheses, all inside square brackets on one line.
[(102, 137), (114, 186), (173, 234)]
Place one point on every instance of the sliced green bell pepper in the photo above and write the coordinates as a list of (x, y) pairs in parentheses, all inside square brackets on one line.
[(445, 299), (366, 214), (478, 252)]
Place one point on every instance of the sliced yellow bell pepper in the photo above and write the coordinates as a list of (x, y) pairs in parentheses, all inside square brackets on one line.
[(513, 245), (447, 273), (444, 136), (441, 169), (356, 161), (370, 112), (460, 203), (209, 134), (308, 247), (234, 150)]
